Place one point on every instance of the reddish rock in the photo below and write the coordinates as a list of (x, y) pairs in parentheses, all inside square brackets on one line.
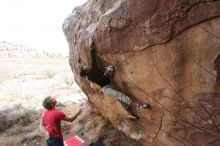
[(165, 53)]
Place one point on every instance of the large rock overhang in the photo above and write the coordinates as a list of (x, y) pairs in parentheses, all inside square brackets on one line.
[(165, 53)]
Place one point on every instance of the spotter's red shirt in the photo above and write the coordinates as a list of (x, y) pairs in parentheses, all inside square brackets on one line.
[(52, 121)]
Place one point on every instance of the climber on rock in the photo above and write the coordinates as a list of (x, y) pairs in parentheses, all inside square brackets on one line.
[(103, 79)]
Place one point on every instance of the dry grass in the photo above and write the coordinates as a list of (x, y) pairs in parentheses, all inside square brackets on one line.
[(50, 73), (18, 116), (68, 79), (94, 122), (7, 141), (16, 129)]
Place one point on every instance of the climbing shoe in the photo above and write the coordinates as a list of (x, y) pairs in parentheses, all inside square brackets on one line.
[(144, 106), (132, 117)]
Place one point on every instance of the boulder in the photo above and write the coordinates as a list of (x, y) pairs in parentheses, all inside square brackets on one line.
[(166, 53)]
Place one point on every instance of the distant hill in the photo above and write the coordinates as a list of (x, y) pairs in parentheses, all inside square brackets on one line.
[(13, 50)]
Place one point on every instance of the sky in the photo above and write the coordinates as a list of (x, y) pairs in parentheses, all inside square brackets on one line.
[(36, 23)]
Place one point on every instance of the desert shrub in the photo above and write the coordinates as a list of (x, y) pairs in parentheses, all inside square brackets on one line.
[(7, 141), (16, 116), (18, 106), (68, 79), (50, 73), (16, 129), (94, 122)]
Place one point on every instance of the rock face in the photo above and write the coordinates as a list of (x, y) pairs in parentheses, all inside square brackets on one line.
[(164, 52)]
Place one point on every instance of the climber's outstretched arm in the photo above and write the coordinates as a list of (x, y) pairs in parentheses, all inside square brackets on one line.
[(93, 57)]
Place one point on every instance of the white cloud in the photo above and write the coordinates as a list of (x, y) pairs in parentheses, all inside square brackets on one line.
[(36, 23)]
